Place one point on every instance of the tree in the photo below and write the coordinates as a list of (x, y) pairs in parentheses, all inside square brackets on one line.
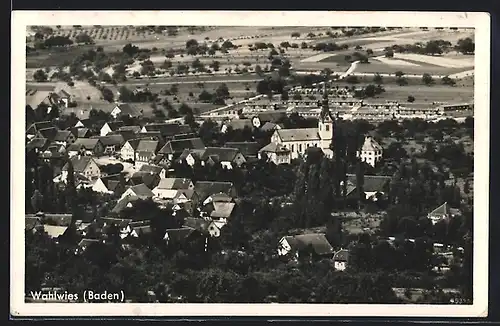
[(427, 79), (352, 79), (222, 91), (446, 80), (107, 94), (411, 98), (296, 34), (465, 46), (377, 79), (83, 38), (369, 51), (40, 76), (389, 53)]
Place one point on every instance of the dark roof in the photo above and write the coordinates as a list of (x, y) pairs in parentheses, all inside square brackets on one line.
[(178, 235), (134, 129), (113, 181), (238, 124), (246, 148), (115, 125), (57, 219), (79, 163), (31, 222), (179, 145), (81, 132), (86, 242), (371, 183), (49, 133), (168, 130), (145, 178), (62, 93), (207, 188), (220, 154), (148, 168), (444, 210), (33, 129), (174, 183), (198, 224), (142, 191), (86, 143), (110, 140), (125, 134), (38, 143), (222, 209), (341, 255), (122, 204), (128, 109), (270, 116), (62, 135), (318, 241), (149, 146), (268, 126), (274, 148), (120, 222)]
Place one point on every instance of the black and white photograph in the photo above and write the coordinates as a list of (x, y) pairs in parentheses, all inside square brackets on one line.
[(296, 162)]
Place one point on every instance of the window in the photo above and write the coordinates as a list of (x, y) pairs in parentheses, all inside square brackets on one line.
[(327, 127), (293, 147), (300, 147)]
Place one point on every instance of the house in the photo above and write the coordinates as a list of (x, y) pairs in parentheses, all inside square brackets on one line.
[(340, 259), (111, 184), (146, 152), (227, 157), (204, 189), (64, 97), (205, 227), (174, 148), (249, 149), (47, 133), (125, 202), (54, 151), (128, 150), (180, 235), (166, 130), (85, 243), (141, 231), (33, 224), (443, 212), (220, 211), (270, 126), (81, 132), (82, 123), (54, 231), (35, 97), (84, 165), (150, 180), (126, 109), (260, 119), (38, 145), (174, 188), (374, 186), (371, 152), (110, 127), (86, 146), (299, 140), (140, 191), (237, 124), (64, 137), (299, 245), (111, 143), (33, 129), (276, 153), (133, 129), (154, 169)]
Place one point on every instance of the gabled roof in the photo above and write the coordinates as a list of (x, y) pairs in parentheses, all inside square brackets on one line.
[(35, 127), (114, 125), (270, 116), (145, 145), (54, 231), (79, 163), (239, 124), (145, 178), (179, 145), (125, 134), (149, 168), (82, 132), (174, 183), (317, 241), (48, 133), (39, 143), (221, 197), (167, 129), (36, 97), (86, 143), (128, 109), (62, 135), (274, 148), (301, 134), (31, 222), (371, 183), (178, 235), (247, 148), (112, 181), (444, 210), (198, 224), (122, 204), (342, 255), (111, 140), (142, 191), (207, 188), (63, 94), (222, 209), (370, 145), (87, 242), (268, 126), (134, 129), (221, 154)]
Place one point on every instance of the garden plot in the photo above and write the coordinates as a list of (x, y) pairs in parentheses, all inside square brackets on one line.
[(443, 61), (395, 62), (318, 57)]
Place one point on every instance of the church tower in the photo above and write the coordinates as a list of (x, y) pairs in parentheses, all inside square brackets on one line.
[(325, 123)]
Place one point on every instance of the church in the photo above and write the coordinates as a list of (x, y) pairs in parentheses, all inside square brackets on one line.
[(297, 141)]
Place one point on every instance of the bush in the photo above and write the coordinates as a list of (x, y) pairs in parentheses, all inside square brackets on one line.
[(411, 98)]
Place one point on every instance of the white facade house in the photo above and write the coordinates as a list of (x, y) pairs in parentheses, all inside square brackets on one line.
[(340, 259), (371, 152), (276, 153)]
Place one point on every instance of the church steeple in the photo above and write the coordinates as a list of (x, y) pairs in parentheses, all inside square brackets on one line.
[(325, 123)]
